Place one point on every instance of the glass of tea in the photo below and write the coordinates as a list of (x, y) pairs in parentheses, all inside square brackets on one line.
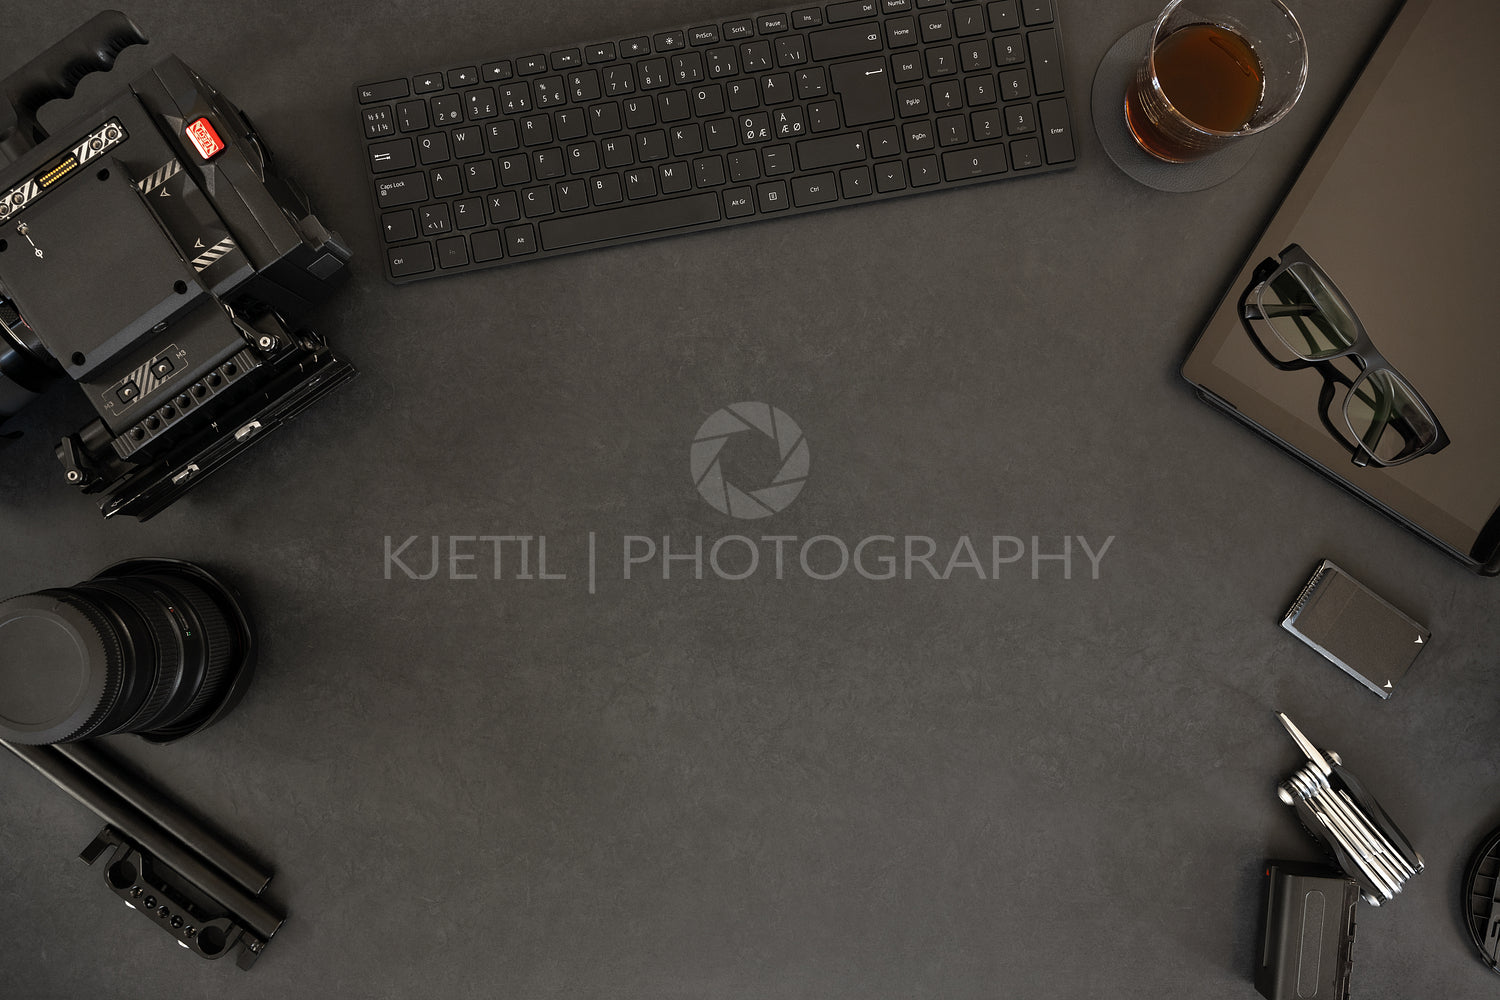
[(1216, 70)]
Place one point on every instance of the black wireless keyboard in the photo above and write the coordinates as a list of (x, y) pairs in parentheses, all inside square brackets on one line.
[(695, 128)]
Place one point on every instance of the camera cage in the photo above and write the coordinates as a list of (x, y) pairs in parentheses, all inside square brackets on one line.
[(151, 254)]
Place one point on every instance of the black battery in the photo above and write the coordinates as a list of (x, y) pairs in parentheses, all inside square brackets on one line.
[(1307, 948)]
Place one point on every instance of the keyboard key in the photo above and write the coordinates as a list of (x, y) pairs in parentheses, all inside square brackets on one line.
[(864, 91), (468, 214), (409, 260), (617, 152), (812, 83), (640, 184), (605, 190), (502, 208), (985, 125), (968, 20), (856, 11), (722, 61), (901, 32), (501, 137), (433, 148), (1003, 15), (675, 178), (1046, 67), (791, 51), (378, 123), (854, 182), (923, 171), (479, 176), (387, 91), (952, 130), (398, 227), (1036, 11), (706, 35), (630, 221), (497, 71), (738, 203), (771, 24), (434, 219), (936, 26), (1025, 153), (411, 116), (776, 160), (573, 195), (393, 155), (823, 116), (446, 182), (401, 189), (814, 154), (809, 17), (836, 43), (976, 161), (515, 170), (486, 246), (1014, 85), (817, 189), (772, 196), (536, 202), (521, 240), (447, 110), (461, 78), (885, 142), (427, 83), (1057, 133), (453, 252), (889, 177), (708, 171), (604, 118), (1008, 51)]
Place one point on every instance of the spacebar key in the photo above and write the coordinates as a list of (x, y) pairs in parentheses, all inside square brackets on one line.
[(633, 220)]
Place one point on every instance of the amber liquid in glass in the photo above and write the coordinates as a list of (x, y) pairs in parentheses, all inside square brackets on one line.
[(1210, 75)]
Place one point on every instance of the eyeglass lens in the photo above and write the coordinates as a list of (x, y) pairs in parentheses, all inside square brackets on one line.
[(1383, 411), (1308, 316)]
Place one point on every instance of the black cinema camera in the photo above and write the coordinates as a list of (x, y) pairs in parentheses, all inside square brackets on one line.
[(150, 253)]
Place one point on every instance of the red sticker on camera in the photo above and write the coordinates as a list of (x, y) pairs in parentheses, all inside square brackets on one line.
[(205, 139)]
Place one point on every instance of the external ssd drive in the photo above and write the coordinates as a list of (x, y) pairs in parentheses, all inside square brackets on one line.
[(1307, 950), (1349, 624)]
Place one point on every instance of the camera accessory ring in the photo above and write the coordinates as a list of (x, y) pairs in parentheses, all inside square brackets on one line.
[(241, 669)]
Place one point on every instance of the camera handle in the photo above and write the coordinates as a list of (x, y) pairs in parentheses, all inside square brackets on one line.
[(55, 74)]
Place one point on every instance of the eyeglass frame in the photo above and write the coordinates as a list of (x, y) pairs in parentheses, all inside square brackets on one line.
[(1362, 352)]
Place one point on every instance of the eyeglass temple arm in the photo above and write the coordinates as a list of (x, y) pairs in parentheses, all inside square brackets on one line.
[(1254, 310)]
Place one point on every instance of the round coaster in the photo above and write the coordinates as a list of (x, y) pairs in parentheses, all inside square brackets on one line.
[(1115, 72)]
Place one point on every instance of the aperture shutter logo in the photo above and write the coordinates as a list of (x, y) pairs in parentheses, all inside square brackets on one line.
[(737, 501)]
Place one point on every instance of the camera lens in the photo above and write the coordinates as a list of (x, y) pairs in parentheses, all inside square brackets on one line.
[(24, 371), (152, 647)]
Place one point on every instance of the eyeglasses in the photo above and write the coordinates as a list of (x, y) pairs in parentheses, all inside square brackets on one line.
[(1387, 420)]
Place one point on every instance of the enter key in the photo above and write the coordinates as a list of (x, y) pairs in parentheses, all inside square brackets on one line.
[(864, 89)]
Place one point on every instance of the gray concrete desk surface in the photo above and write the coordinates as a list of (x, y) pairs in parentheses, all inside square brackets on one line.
[(761, 788)]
